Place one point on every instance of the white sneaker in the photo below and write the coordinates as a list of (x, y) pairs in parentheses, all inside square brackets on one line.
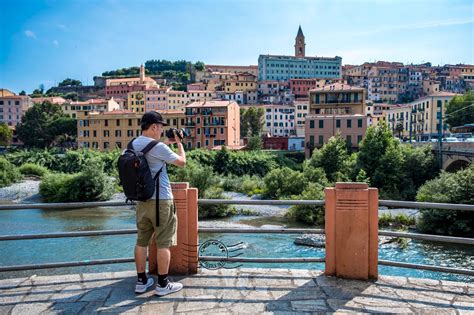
[(171, 287), (141, 287)]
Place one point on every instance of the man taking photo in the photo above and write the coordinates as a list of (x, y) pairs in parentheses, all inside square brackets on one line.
[(165, 228)]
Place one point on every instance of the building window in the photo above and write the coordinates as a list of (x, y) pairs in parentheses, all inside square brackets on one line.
[(321, 124), (106, 133), (118, 144), (359, 139), (311, 140), (106, 145), (359, 123), (349, 140), (321, 140), (118, 133), (94, 133), (311, 124), (338, 123), (129, 122), (349, 123), (106, 123)]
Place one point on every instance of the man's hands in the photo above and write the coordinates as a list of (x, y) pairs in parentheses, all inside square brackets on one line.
[(176, 139)]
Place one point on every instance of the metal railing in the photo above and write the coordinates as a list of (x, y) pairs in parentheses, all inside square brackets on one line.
[(388, 203)]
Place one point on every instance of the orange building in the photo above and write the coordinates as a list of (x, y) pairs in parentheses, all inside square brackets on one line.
[(213, 123)]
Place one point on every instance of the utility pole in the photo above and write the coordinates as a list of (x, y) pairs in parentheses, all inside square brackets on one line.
[(440, 135)]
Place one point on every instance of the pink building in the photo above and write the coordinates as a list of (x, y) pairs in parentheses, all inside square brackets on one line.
[(13, 107), (320, 128), (156, 98), (198, 86), (213, 123)]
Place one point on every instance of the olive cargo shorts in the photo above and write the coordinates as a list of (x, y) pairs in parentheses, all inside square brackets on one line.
[(165, 234)]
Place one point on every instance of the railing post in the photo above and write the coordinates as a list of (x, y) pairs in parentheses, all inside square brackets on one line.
[(184, 256), (352, 231)]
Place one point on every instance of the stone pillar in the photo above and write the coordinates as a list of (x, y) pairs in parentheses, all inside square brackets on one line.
[(184, 256), (352, 231)]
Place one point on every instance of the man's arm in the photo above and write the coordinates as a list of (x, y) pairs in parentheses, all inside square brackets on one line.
[(180, 161)]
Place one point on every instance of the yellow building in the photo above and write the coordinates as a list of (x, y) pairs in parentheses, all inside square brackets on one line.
[(100, 105), (244, 82), (106, 131), (419, 119), (337, 98), (177, 100), (136, 101)]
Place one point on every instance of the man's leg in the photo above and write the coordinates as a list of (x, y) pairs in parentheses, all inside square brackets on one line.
[(164, 257), (140, 258)]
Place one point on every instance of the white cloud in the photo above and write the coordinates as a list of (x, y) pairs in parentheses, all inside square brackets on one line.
[(55, 42), (62, 26), (30, 34)]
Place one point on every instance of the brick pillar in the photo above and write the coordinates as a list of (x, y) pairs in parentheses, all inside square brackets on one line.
[(352, 231), (184, 256)]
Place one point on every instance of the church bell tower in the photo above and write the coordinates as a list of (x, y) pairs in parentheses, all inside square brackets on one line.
[(300, 44)]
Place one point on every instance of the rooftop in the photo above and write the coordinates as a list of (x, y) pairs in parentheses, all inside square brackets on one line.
[(243, 290), (211, 104), (337, 87)]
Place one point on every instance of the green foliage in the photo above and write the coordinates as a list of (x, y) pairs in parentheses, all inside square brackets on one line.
[(255, 143), (22, 93), (199, 176), (43, 124), (70, 82), (199, 66), (215, 211), (73, 96), (249, 185), (33, 169), (251, 121), (9, 174), (460, 110), (122, 72), (6, 134), (333, 157), (315, 175), (74, 161), (362, 177), (313, 215), (399, 221), (448, 188), (283, 183), (44, 157), (158, 66), (92, 184)]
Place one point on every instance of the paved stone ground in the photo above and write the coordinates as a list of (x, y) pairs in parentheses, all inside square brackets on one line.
[(250, 291)]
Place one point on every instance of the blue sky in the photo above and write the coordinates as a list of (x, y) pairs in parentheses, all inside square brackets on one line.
[(45, 41)]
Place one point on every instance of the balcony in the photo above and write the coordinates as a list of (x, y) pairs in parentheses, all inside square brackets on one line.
[(206, 112), (190, 124)]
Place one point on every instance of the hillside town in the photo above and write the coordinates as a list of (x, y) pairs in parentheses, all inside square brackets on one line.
[(305, 100)]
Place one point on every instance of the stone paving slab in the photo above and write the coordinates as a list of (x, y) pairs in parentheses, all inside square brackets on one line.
[(239, 291)]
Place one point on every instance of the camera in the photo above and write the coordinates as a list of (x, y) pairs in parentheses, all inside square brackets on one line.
[(169, 133)]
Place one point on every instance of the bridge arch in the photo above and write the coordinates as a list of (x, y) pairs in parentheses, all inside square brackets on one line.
[(456, 165)]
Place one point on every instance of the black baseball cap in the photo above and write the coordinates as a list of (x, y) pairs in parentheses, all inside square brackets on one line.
[(152, 117)]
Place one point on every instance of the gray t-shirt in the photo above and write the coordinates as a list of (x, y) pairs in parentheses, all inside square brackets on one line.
[(157, 157)]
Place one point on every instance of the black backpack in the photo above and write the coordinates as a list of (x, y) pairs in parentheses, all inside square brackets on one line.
[(135, 175)]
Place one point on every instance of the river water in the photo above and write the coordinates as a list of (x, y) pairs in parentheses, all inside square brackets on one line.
[(267, 245)]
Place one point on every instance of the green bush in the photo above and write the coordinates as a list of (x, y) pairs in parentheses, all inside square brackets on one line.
[(400, 221), (46, 158), (214, 211), (92, 184), (33, 169), (313, 215), (448, 188), (200, 176), (9, 174), (283, 183)]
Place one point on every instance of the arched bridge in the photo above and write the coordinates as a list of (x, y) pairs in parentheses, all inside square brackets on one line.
[(456, 155)]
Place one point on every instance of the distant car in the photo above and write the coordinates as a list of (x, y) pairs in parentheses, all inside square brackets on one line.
[(433, 140), (469, 140), (450, 139)]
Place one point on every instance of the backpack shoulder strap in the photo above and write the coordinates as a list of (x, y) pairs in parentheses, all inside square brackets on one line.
[(149, 146), (130, 145)]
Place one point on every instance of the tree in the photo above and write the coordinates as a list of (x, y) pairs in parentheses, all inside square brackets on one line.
[(70, 82), (399, 128), (199, 66), (43, 124), (22, 92), (255, 143), (380, 157), (73, 96), (448, 188), (332, 158), (5, 134), (460, 110), (251, 121)]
